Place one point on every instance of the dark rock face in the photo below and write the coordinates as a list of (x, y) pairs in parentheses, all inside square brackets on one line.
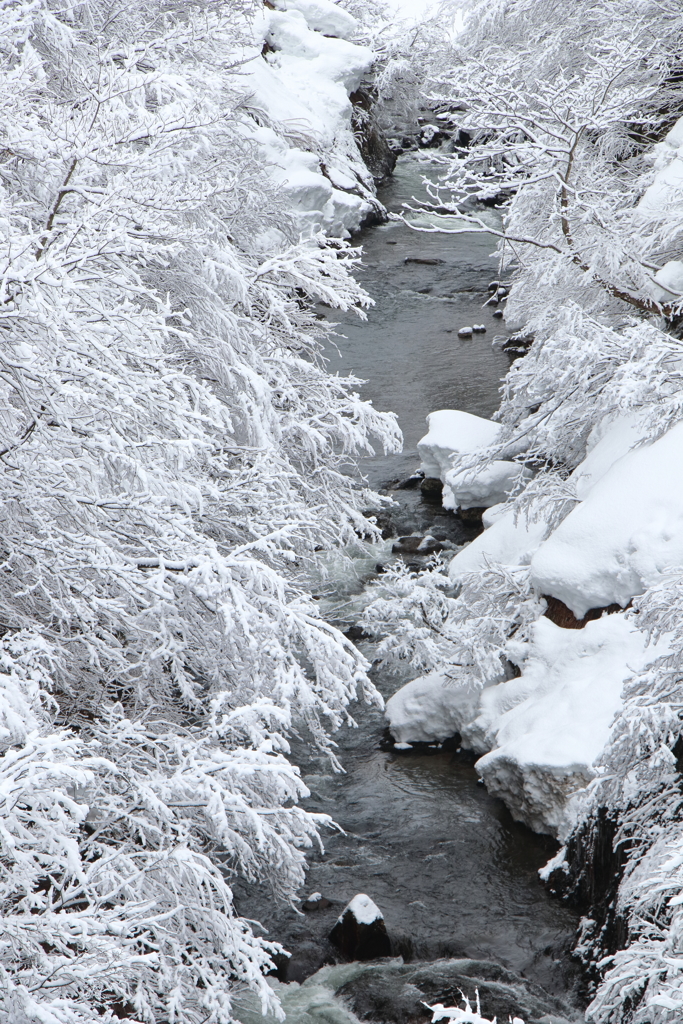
[(378, 156), (432, 488), (364, 939), (307, 958), (471, 515), (591, 884), (558, 613)]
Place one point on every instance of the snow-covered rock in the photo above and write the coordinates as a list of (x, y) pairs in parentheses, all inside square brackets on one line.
[(430, 709), (625, 533), (453, 436), (545, 729), (451, 432), (299, 95), (360, 932), (469, 488)]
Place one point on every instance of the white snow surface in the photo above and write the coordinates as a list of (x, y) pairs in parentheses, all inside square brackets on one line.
[(323, 16), (430, 709), (450, 433), (299, 94), (626, 532), (505, 541), (363, 909), (669, 282), (470, 488), (541, 732), (668, 180)]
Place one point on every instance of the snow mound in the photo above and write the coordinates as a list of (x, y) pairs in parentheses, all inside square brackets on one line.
[(625, 533), (298, 93), (547, 727), (470, 488), (430, 709)]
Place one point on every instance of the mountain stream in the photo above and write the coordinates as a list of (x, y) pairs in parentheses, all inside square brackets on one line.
[(455, 877)]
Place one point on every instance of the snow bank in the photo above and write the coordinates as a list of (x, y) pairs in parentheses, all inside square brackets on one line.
[(504, 540), (545, 729), (625, 533), (430, 709), (298, 93), (541, 732)]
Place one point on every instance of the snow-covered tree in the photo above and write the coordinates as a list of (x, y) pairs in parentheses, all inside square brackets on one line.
[(173, 452)]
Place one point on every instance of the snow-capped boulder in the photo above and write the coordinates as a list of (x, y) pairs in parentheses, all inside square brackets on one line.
[(452, 437), (626, 532), (430, 709), (451, 432), (545, 729), (470, 488), (360, 932)]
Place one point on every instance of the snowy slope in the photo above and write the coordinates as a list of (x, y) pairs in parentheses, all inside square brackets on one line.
[(297, 84), (625, 533)]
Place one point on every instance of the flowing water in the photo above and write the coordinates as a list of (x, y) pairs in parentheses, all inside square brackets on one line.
[(454, 875)]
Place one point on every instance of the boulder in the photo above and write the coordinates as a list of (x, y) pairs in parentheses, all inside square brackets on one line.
[(432, 487), (360, 932), (416, 545), (316, 901), (465, 332)]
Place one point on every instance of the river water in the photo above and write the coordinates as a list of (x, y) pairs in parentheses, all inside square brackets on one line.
[(454, 875)]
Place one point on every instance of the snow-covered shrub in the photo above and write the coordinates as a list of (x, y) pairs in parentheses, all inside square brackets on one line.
[(173, 450)]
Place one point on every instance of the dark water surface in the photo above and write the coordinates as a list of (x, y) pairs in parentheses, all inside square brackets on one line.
[(454, 876), (408, 351)]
